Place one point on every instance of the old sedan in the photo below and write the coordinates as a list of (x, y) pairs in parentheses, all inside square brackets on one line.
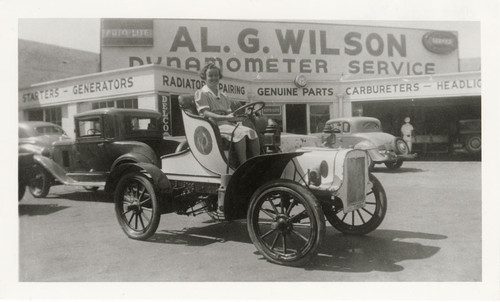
[(366, 133)]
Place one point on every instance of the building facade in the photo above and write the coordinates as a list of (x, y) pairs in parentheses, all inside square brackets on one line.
[(306, 73)]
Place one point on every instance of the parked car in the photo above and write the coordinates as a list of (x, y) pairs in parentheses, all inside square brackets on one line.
[(366, 133), (284, 195), (35, 137), (104, 138), (469, 137)]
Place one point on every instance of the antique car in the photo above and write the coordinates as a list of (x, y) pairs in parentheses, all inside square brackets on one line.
[(35, 137), (366, 133), (468, 138), (283, 195)]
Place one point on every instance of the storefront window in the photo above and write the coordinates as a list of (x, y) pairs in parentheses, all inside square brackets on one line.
[(127, 103), (318, 116), (51, 115)]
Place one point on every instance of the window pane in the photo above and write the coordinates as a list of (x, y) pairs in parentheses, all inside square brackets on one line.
[(319, 115)]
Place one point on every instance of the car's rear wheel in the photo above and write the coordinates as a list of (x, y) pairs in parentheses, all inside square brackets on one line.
[(361, 221), (136, 206), (285, 222), (39, 182), (394, 164)]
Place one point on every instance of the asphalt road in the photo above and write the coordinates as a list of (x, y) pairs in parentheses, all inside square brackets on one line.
[(432, 232)]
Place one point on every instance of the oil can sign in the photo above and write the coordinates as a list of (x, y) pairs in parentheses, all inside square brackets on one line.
[(440, 42)]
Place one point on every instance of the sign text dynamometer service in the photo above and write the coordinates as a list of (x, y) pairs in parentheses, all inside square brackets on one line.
[(287, 48)]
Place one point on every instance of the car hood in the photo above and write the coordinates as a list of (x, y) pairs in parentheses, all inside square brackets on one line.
[(43, 140)]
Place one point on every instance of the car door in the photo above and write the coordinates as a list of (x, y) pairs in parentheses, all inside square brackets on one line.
[(92, 144)]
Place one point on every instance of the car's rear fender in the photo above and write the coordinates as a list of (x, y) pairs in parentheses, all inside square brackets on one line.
[(250, 176), (157, 177)]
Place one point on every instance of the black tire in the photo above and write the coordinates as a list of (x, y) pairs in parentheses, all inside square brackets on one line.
[(21, 191), (473, 144), (136, 206), (297, 222), (361, 221), (40, 182), (91, 189), (393, 165)]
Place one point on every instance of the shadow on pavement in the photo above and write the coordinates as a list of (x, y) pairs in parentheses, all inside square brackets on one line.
[(39, 209), (381, 250), (98, 196), (396, 171)]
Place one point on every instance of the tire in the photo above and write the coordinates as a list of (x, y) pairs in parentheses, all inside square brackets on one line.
[(473, 144), (136, 206), (401, 146), (91, 189), (40, 181), (361, 221), (21, 191), (393, 165), (288, 232)]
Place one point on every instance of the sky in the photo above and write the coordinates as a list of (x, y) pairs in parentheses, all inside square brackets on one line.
[(83, 33)]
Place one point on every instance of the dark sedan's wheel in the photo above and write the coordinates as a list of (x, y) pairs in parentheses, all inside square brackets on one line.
[(136, 206), (40, 181), (21, 191), (394, 164), (285, 222), (364, 220)]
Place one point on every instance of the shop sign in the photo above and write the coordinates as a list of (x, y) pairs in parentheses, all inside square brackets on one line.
[(191, 83), (166, 113), (270, 50), (287, 92), (440, 42), (414, 88), (127, 32), (84, 89)]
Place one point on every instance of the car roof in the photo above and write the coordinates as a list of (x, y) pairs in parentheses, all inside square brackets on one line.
[(120, 111), (354, 119)]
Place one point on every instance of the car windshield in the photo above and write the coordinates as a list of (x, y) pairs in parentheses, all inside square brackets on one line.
[(49, 130)]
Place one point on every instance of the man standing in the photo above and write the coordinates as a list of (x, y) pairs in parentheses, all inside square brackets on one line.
[(407, 132)]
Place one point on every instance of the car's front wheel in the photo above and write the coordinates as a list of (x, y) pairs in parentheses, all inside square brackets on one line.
[(285, 222), (39, 183), (360, 221), (136, 206)]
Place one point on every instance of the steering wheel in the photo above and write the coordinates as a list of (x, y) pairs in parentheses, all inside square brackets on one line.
[(93, 131), (249, 109)]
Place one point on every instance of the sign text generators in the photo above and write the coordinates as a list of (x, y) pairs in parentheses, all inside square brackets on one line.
[(309, 51)]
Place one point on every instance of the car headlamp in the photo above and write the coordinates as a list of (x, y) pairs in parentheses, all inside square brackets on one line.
[(316, 174)]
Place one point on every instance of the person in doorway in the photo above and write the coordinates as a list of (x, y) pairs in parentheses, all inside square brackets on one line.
[(407, 132), (214, 104)]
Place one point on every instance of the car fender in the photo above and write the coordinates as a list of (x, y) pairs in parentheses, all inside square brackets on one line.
[(159, 180), (34, 149), (250, 176), (136, 157)]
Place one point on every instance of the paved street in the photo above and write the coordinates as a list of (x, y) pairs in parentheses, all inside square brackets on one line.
[(432, 232)]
